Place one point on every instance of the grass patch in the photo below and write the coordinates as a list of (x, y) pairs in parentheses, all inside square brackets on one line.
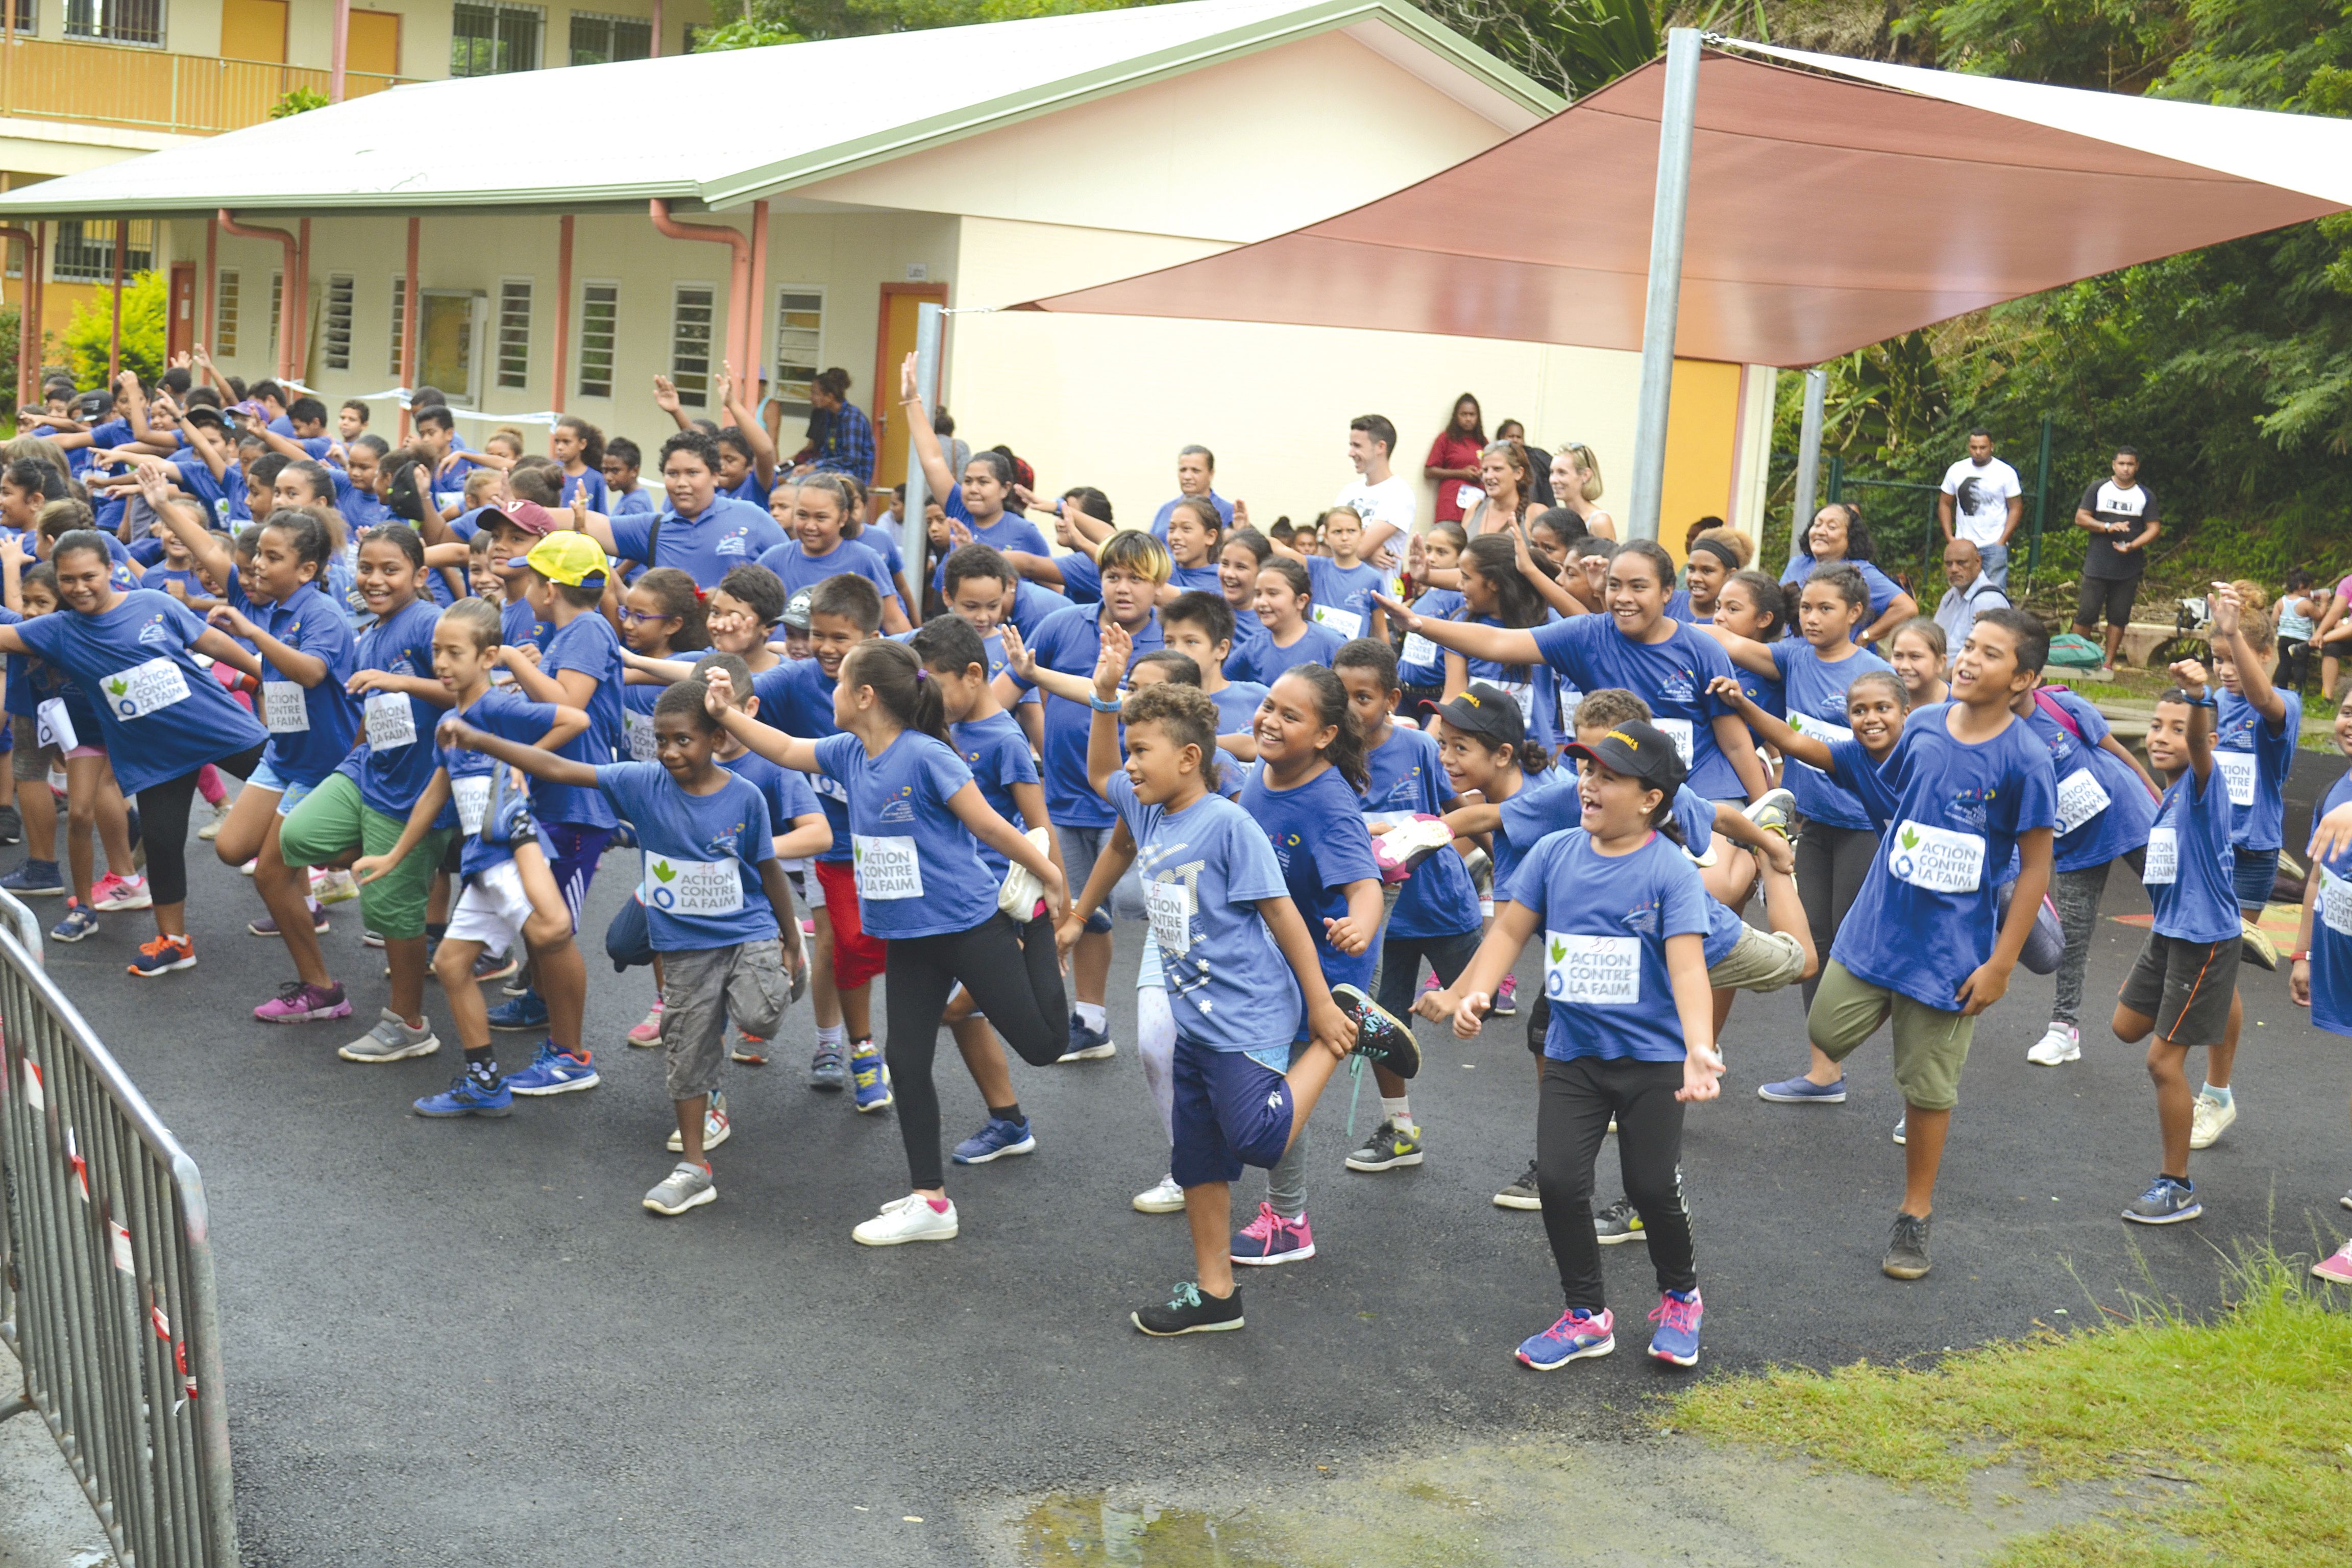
[(2254, 1408)]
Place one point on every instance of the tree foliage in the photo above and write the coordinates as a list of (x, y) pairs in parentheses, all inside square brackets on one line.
[(87, 335)]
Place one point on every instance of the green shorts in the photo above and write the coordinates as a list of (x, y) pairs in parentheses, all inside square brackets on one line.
[(1931, 1045), (330, 822)]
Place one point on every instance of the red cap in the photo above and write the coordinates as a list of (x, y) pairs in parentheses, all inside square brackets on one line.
[(532, 517)]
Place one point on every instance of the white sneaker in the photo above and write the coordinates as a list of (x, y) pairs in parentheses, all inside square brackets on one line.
[(2210, 1120), (210, 830), (333, 887), (1163, 1196), (910, 1218), (247, 869), (2063, 1044), (716, 1128)]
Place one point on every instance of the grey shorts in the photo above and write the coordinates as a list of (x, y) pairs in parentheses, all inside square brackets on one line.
[(701, 990), (1081, 848)]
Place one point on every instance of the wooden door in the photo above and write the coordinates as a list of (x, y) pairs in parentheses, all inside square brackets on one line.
[(374, 48), (254, 30), (893, 342), (180, 327)]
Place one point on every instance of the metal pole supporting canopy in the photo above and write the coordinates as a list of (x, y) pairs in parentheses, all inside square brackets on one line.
[(1676, 119)]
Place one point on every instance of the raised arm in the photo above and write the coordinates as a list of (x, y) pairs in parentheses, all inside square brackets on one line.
[(212, 558), (755, 435), (302, 669), (919, 430), (2253, 680), (1496, 645), (1773, 732), (538, 763), (785, 750), (2189, 676), (1749, 655)]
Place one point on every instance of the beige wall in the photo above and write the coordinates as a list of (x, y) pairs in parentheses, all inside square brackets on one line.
[(194, 27)]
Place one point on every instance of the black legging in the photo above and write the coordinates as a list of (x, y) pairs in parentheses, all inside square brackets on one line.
[(1832, 865), (163, 825), (1015, 977), (1580, 1096)]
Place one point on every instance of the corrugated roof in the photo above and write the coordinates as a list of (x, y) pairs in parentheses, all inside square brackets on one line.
[(715, 130)]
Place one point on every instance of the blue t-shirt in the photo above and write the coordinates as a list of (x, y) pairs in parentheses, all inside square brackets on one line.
[(196, 478), (799, 569), (1248, 632), (1928, 912), (2331, 930), (1427, 665), (1081, 577), (1071, 642), (638, 503), (592, 482), (2189, 861), (883, 543), (588, 645), (918, 868), (1535, 687), (1604, 923), (1204, 870), (505, 713), (395, 758), (1866, 780), (748, 489), (1763, 691), (2104, 809), (729, 533), (786, 789), (1168, 509), (1346, 590), (159, 576), (1438, 898), (1264, 661), (1011, 531), (1882, 588), (701, 885), (1033, 603), (1815, 690), (1237, 702), (998, 754), (2257, 762), (1672, 677), (796, 697), (362, 510), (1546, 802), (518, 626), (311, 727), (1318, 835)]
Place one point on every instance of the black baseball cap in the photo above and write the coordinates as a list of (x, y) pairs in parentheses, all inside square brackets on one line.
[(1483, 710), (1638, 751), (796, 611)]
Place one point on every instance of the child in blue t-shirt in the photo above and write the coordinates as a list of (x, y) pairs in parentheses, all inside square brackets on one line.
[(1284, 601), (2321, 977), (2184, 989), (1343, 584), (1623, 917)]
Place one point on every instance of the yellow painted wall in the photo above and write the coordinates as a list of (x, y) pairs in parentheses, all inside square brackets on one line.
[(1703, 432)]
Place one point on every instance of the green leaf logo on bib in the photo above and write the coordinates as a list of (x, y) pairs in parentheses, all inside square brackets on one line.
[(664, 871), (1558, 951), (1910, 840), (117, 688)]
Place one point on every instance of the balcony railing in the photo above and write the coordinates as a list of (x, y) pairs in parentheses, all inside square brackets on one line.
[(104, 84)]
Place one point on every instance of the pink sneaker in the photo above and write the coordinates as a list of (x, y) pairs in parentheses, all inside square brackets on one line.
[(113, 892), (1506, 1003), (297, 1003), (2336, 1266), (1270, 1239), (647, 1035)]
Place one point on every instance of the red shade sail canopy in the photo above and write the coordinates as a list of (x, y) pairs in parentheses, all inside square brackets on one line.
[(1834, 203)]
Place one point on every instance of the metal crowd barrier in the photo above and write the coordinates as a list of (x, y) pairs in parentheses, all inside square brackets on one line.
[(106, 1279)]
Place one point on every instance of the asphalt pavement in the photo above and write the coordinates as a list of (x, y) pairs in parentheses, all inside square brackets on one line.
[(467, 1342)]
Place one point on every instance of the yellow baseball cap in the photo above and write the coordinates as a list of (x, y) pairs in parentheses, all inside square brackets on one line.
[(566, 557)]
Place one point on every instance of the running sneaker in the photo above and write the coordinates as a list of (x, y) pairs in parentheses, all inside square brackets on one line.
[(1431, 984), (1163, 1196), (2255, 945), (995, 1140), (163, 955), (1088, 1044), (2165, 1202), (492, 966), (553, 1071), (392, 1040), (12, 826), (518, 984), (371, 938), (1620, 1222), (1190, 1311), (1506, 998), (747, 1049), (2345, 1202), (716, 1127), (334, 886), (34, 880), (298, 1002), (1404, 847), (1907, 1247), (826, 1072), (647, 1035), (686, 1186), (1388, 1148), (1270, 1239), (466, 1095), (1802, 1090), (1902, 1129), (2210, 1119), (911, 1219), (80, 920), (1774, 812), (869, 1077), (1677, 1316), (114, 893), (1380, 1038), (524, 1013), (210, 830), (1579, 1336), (1522, 1194), (2336, 1266), (2062, 1045), (248, 868), (268, 924)]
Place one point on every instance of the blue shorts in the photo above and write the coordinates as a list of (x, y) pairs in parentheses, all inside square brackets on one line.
[(1232, 1110), (2252, 874), (289, 795), (577, 849)]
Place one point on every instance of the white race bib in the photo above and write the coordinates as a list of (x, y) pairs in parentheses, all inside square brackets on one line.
[(678, 886), (144, 688), (887, 867), (472, 794), (828, 785), (1520, 693), (2335, 902), (285, 707), (1597, 971), (640, 729), (56, 728), (391, 722), (1937, 858), (1569, 702), (1169, 905), (1820, 730), (2163, 856), (1467, 497), (1678, 731), (2081, 797), (1346, 623), (1421, 653), (2238, 769)]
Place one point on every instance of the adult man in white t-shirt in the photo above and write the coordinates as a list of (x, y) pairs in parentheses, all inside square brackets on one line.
[(1983, 503), (1385, 500)]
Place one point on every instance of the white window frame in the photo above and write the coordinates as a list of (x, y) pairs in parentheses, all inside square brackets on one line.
[(399, 317), (612, 335), (228, 297), (712, 351), (776, 345), (277, 314), (335, 328), (505, 338)]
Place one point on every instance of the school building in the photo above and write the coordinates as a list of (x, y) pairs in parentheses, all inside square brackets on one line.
[(552, 239)]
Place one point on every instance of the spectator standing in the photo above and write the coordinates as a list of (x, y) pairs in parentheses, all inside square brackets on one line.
[(2122, 518), (1383, 498), (846, 445), (1576, 482), (1538, 461), (1982, 503), (1196, 477), (1972, 593), (1453, 461)]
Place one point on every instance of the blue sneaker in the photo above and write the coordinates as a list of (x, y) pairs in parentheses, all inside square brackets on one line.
[(869, 1079), (1576, 1336), (552, 1071), (1087, 1045), (2166, 1201), (526, 1012), (34, 879), (1802, 1090), (1677, 1317), (465, 1096), (80, 920), (996, 1139)]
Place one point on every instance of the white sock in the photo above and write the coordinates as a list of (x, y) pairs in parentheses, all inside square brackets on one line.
[(832, 1036), (1400, 1111), (1094, 1015)]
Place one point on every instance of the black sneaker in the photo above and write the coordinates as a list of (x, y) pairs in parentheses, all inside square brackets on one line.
[(1617, 1223), (1380, 1039), (1522, 1194), (1189, 1311), (1387, 1148), (12, 826), (1906, 1248)]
